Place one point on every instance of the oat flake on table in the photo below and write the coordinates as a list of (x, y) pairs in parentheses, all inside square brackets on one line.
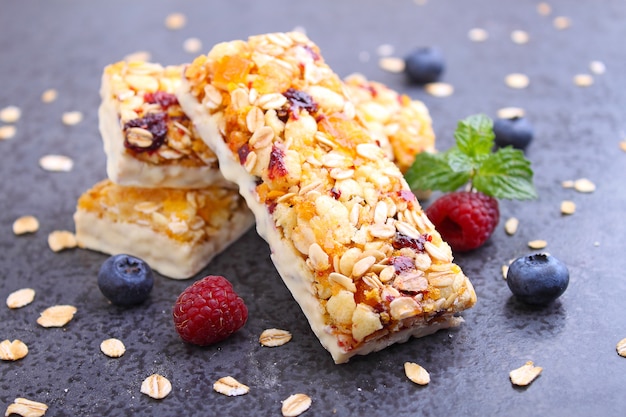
[(230, 387), (7, 132), (56, 316), (295, 405), (20, 298), (56, 163), (156, 386), (25, 224), (525, 374), (13, 350), (26, 408), (10, 114)]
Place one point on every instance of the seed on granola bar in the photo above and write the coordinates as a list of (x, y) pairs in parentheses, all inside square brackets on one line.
[(7, 132), (156, 386), (416, 373), (295, 405), (25, 224), (49, 95), (175, 21), (56, 316), (56, 163), (61, 239), (12, 351), (517, 80), (621, 347), (230, 387), (20, 298), (71, 118), (525, 374), (10, 114), (26, 408), (274, 337), (568, 207), (113, 348)]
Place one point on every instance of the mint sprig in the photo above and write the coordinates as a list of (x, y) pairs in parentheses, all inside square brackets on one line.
[(504, 174)]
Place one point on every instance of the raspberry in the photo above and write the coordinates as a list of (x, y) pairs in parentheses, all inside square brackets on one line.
[(464, 219), (209, 311)]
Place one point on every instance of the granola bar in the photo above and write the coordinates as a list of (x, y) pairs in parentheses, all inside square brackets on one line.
[(401, 126), (176, 231), (148, 140), (347, 236)]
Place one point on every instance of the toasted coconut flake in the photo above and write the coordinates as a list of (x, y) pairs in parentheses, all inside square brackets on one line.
[(56, 163), (20, 298), (583, 80), (274, 337), (562, 22), (10, 114), (295, 405), (113, 348), (584, 185), (416, 373), (156, 386), (25, 224), (12, 351), (192, 45), (568, 207), (520, 37), (544, 9), (510, 112), (391, 64), (621, 348), (525, 374), (229, 386), (61, 239), (49, 95), (511, 225), (26, 408), (439, 89), (597, 67), (175, 21), (7, 132), (71, 118), (537, 244), (56, 316), (477, 35), (517, 80)]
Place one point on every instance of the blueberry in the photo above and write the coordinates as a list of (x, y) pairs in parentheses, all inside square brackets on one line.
[(537, 279), (424, 65), (125, 280), (516, 132)]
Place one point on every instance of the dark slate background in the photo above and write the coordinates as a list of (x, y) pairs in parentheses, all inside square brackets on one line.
[(65, 44)]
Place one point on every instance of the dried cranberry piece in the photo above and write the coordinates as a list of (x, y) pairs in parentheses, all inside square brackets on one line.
[(277, 166), (162, 98), (403, 241), (300, 100), (155, 123), (243, 152), (402, 263), (335, 193), (312, 52)]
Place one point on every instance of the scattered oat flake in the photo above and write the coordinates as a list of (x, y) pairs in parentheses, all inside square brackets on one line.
[(622, 145), (20, 298), (61, 239), (26, 408), (113, 348), (597, 67), (510, 226), (537, 244), (156, 386), (295, 405), (510, 112), (142, 56), (439, 89), (274, 337), (505, 271), (56, 163), (71, 118), (525, 374), (567, 184), (7, 132), (175, 21), (562, 22), (25, 224), (583, 80), (583, 185), (230, 387), (477, 35), (621, 348), (385, 50), (544, 9), (49, 95), (520, 37), (13, 351), (568, 207), (10, 114), (517, 80), (416, 373), (192, 45), (56, 316), (391, 64)]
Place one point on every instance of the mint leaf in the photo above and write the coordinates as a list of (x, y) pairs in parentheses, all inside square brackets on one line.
[(433, 172), (505, 174), (474, 136)]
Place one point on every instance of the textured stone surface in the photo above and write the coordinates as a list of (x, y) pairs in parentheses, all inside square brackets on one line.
[(66, 44)]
